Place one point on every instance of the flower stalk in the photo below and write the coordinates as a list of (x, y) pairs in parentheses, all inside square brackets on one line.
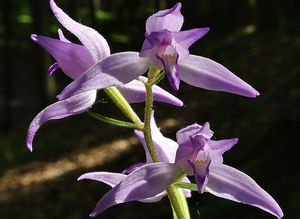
[(176, 196), (147, 116), (178, 202)]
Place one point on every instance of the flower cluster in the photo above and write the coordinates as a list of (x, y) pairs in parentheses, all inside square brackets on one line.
[(168, 164)]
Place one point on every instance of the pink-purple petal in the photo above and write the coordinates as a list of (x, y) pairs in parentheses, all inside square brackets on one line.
[(184, 139), (169, 19), (145, 182), (229, 183), (188, 37), (111, 179), (201, 173), (155, 198), (61, 109), (53, 68), (172, 70), (135, 92), (187, 193), (114, 70), (72, 58), (62, 36), (221, 146), (162, 95), (208, 74), (132, 168), (165, 147), (184, 134), (140, 135), (90, 38)]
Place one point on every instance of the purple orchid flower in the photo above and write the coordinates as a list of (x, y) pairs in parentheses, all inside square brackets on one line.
[(123, 185), (166, 48), (200, 156), (74, 60)]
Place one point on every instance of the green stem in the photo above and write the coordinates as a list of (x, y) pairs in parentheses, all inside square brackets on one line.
[(147, 119), (176, 196), (178, 202), (116, 96)]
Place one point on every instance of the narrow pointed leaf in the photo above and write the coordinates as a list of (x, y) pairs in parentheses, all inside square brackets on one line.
[(189, 186), (112, 121)]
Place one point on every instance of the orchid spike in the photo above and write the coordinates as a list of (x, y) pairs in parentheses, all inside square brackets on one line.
[(75, 60), (167, 48), (166, 149), (200, 156)]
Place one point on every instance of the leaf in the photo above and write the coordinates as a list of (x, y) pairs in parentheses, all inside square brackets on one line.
[(112, 121), (190, 186)]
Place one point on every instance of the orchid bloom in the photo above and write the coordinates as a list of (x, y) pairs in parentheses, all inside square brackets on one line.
[(140, 182), (166, 48), (74, 60), (197, 155), (200, 156)]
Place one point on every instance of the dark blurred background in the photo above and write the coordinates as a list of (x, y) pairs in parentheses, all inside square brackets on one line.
[(257, 40)]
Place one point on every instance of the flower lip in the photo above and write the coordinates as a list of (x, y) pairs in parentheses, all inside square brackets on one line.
[(170, 64), (201, 172)]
